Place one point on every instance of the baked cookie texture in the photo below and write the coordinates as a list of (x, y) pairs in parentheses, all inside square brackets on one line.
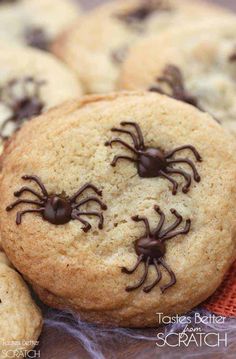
[(20, 318), (31, 82), (184, 62), (69, 268), (98, 42), (35, 22)]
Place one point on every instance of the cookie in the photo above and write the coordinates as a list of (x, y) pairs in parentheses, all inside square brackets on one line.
[(35, 22), (71, 210), (98, 43), (20, 318), (31, 82), (184, 65)]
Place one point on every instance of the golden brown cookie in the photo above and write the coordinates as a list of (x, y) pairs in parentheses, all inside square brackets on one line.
[(185, 65), (97, 43), (76, 253)]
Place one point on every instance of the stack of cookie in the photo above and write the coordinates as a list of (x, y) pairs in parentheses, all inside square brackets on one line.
[(117, 205)]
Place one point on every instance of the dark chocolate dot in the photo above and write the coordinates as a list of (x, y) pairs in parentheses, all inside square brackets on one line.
[(37, 37)]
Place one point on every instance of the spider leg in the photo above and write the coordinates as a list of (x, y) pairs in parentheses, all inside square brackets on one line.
[(138, 130), (132, 270), (156, 88), (185, 230), (21, 201), (174, 225), (83, 188), (174, 183), (161, 221), (117, 140), (39, 183), (27, 189), (93, 213), (136, 144), (196, 176), (148, 288), (188, 147), (142, 280), (174, 73), (170, 272), (86, 227), (146, 222), (117, 158), (22, 213), (186, 176), (91, 199)]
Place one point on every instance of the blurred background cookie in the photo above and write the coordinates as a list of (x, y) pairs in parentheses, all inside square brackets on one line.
[(31, 82), (185, 65), (96, 45), (20, 318), (59, 235), (35, 22)]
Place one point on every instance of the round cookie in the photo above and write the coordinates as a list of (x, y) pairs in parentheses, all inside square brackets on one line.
[(97, 44), (35, 22), (185, 65), (79, 265), (31, 82), (20, 318)]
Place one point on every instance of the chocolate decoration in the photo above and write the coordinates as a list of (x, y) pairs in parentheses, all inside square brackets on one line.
[(173, 78), (154, 162), (151, 249), (232, 57), (143, 11), (23, 107), (37, 37), (58, 209)]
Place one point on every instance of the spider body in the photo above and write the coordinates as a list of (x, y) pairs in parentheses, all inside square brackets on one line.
[(150, 162), (153, 162), (151, 249), (58, 209)]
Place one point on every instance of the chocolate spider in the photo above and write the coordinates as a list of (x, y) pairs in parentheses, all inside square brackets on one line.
[(23, 107), (58, 208), (173, 78), (154, 162), (143, 11), (151, 249), (37, 37)]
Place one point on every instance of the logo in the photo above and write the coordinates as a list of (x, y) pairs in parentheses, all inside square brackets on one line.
[(16, 349), (191, 330)]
